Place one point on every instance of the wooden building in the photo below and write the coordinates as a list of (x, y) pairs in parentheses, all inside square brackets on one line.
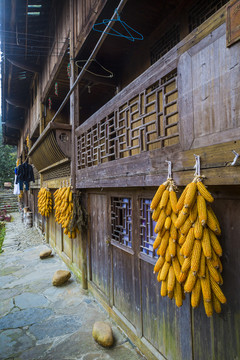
[(104, 113)]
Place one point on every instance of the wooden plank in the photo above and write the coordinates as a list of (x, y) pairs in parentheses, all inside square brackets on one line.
[(100, 259), (185, 101), (165, 326), (210, 336), (56, 183)]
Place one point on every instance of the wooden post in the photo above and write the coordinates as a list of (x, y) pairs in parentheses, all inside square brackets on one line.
[(74, 117)]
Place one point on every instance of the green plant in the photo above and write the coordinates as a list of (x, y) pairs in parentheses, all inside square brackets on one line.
[(2, 234)]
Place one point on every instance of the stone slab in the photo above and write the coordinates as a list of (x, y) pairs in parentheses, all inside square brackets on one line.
[(24, 317)]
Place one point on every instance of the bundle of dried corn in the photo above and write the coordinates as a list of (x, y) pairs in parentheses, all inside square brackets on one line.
[(64, 209), (170, 260), (201, 270), (44, 202)]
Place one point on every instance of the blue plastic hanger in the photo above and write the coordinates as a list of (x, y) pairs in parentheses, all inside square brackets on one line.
[(114, 32)]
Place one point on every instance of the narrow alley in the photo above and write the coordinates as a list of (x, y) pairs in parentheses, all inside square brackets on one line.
[(40, 321)]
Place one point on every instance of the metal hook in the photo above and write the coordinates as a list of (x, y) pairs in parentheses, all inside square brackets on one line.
[(235, 158), (197, 166), (169, 169)]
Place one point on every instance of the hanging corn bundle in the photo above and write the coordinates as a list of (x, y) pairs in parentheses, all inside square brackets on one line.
[(201, 270), (64, 210), (44, 202), (170, 261)]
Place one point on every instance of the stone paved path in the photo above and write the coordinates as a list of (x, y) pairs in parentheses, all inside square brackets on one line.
[(40, 321)]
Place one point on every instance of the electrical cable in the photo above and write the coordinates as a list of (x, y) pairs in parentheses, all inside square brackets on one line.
[(91, 72)]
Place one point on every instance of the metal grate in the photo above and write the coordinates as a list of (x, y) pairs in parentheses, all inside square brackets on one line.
[(169, 39), (147, 226), (36, 173), (121, 220), (202, 10), (57, 172), (146, 122)]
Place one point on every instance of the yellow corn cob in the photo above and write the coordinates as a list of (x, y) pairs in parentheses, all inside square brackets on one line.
[(214, 260), (160, 221), (213, 272), (216, 304), (215, 243), (208, 308), (164, 199), (159, 264), (202, 210), (173, 200), (190, 282), (178, 294), (164, 288), (204, 192), (180, 202), (157, 241), (190, 195), (156, 213), (173, 217), (181, 239), (202, 266), (181, 218), (212, 221), (188, 244), (186, 226), (173, 232), (168, 208), (170, 295), (168, 257), (157, 197), (196, 255), (206, 288), (171, 280), (167, 223), (193, 213), (196, 294), (164, 244), (206, 245), (220, 279), (179, 256), (164, 271), (176, 267), (186, 264), (182, 276), (172, 247), (198, 230)]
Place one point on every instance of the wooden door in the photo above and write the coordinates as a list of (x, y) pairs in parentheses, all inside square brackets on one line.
[(100, 257)]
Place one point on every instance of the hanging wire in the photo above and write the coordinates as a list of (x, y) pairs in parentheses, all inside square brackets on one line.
[(91, 72)]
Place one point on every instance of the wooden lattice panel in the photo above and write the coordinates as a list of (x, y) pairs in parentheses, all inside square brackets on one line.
[(146, 122), (147, 226), (121, 220)]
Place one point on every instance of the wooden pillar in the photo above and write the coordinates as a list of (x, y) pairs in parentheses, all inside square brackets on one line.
[(74, 120)]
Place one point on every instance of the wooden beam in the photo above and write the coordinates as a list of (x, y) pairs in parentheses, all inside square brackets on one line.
[(25, 66)]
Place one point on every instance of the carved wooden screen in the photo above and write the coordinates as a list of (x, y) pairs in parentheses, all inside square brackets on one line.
[(121, 220), (147, 225), (146, 122)]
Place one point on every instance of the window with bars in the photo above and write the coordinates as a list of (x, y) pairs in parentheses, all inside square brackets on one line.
[(121, 220), (202, 10), (169, 39), (147, 226)]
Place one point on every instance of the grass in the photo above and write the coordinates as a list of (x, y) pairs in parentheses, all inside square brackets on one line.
[(2, 234)]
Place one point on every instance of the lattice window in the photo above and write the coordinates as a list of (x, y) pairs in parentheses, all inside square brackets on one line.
[(121, 220), (169, 39), (202, 10), (146, 122), (147, 226), (57, 172)]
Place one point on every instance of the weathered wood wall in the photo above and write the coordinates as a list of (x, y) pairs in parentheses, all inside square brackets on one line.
[(124, 277)]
